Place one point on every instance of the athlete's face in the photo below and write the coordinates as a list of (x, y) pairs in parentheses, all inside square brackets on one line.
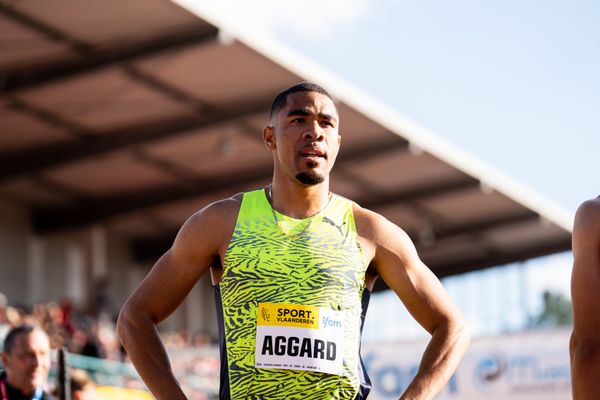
[(304, 138), (28, 362)]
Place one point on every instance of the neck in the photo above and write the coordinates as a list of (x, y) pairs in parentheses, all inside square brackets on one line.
[(15, 385), (298, 201)]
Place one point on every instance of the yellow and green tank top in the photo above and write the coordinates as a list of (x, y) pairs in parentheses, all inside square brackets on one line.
[(291, 304)]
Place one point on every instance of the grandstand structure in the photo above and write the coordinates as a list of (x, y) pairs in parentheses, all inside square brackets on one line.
[(120, 119)]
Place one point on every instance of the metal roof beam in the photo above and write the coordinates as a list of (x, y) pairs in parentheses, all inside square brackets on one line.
[(481, 227), (91, 59), (150, 248), (168, 90), (482, 261), (454, 267), (75, 215), (408, 196), (46, 30), (79, 214), (70, 127), (16, 163)]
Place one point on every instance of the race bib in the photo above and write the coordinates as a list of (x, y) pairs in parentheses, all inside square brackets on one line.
[(292, 336)]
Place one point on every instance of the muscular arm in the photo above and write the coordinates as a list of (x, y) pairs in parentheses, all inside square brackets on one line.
[(199, 242), (398, 264), (585, 292)]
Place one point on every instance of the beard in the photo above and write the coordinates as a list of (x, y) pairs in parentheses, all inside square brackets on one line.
[(309, 178)]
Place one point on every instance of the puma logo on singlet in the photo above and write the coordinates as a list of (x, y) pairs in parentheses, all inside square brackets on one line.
[(339, 227)]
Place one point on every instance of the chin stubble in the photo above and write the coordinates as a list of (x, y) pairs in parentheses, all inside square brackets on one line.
[(309, 178)]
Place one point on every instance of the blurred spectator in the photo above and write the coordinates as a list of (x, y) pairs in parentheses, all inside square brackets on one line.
[(84, 340), (195, 355), (107, 338), (102, 304), (4, 324), (82, 386), (26, 360)]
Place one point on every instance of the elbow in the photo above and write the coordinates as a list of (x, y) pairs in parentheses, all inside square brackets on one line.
[(134, 322), (584, 351), (462, 335), (125, 323), (455, 334), (122, 325), (459, 335)]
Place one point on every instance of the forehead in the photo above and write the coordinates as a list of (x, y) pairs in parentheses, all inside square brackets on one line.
[(32, 340), (309, 101)]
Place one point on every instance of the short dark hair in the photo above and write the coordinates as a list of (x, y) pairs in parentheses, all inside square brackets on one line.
[(279, 101), (14, 333)]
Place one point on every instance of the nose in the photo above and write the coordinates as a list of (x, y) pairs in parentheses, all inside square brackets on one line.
[(35, 360), (313, 131)]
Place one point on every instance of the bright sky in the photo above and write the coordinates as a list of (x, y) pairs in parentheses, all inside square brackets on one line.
[(515, 83)]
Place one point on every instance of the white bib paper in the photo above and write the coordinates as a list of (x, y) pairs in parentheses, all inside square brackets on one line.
[(292, 336)]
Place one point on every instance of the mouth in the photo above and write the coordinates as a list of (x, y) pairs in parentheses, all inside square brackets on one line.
[(313, 154), (37, 375)]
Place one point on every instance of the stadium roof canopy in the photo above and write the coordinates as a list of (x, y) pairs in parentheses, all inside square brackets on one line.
[(133, 114)]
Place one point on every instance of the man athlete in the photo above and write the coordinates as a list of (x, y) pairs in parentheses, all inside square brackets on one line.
[(292, 266), (585, 289)]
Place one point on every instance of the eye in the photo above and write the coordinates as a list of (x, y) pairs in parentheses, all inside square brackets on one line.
[(327, 123), (298, 120)]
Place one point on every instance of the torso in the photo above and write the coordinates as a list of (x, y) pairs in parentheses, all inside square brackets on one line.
[(275, 261), (363, 227)]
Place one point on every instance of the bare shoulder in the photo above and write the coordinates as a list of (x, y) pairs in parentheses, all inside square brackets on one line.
[(366, 220), (587, 217), (385, 243), (586, 237), (374, 226), (585, 278), (211, 226), (219, 211), (591, 204)]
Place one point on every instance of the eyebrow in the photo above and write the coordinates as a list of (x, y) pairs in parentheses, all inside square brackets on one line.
[(303, 112)]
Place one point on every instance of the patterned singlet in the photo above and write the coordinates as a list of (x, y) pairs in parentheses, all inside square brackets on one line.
[(291, 304)]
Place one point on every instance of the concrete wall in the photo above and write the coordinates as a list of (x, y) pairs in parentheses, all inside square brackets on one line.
[(14, 234), (88, 266)]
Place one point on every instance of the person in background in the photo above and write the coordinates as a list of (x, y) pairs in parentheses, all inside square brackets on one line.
[(4, 323), (26, 361), (82, 386), (585, 292)]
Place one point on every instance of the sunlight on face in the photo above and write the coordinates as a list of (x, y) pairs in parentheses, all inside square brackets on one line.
[(28, 363)]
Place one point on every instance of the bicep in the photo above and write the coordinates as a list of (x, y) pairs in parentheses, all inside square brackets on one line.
[(165, 287), (172, 277), (418, 288)]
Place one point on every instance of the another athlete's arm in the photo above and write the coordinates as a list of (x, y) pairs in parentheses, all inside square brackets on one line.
[(197, 245), (397, 262), (585, 292)]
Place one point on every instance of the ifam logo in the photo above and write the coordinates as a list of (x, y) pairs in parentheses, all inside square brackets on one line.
[(328, 322), (489, 370)]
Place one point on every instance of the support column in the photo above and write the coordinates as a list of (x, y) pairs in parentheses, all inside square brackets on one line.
[(99, 253), (193, 310), (35, 270), (76, 279), (200, 309)]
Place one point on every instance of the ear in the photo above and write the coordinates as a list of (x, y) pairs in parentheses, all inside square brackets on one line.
[(269, 137), (5, 360)]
